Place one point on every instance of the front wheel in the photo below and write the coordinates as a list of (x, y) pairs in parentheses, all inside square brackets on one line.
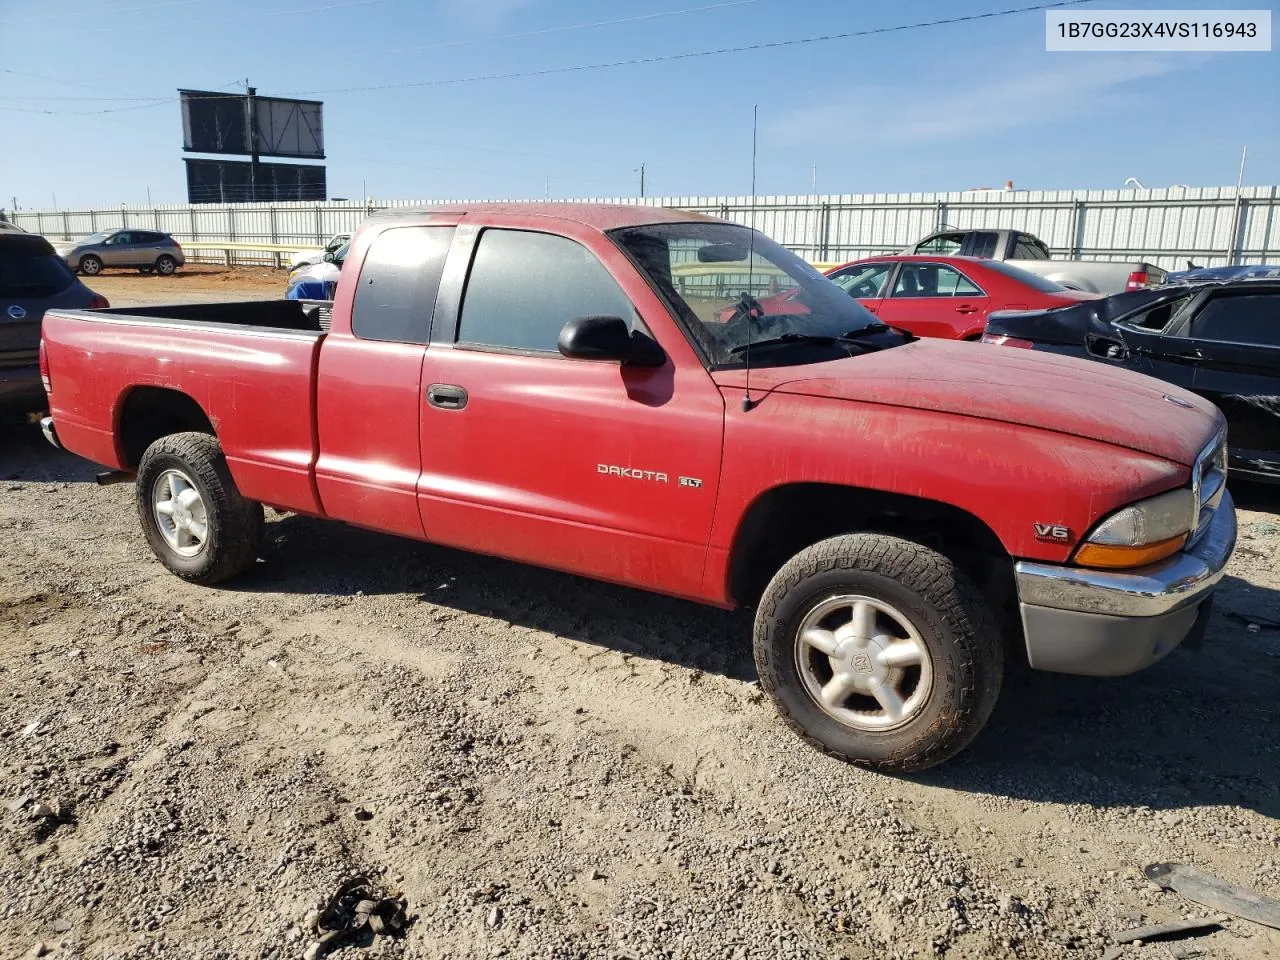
[(878, 651), (90, 265), (194, 518)]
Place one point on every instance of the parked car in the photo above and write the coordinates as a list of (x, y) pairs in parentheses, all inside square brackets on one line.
[(886, 503), (315, 281), (303, 258), (1028, 252), (1221, 341), (1239, 271), (32, 279), (947, 297), (146, 250)]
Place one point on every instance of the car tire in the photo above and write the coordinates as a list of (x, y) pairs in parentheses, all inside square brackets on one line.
[(861, 617), (166, 265), (193, 516), (147, 269), (90, 265)]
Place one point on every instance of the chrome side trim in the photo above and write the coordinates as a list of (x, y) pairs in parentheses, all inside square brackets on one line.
[(1150, 591), (50, 434)]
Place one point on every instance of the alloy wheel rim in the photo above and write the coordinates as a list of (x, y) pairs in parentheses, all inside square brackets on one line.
[(180, 513), (863, 662)]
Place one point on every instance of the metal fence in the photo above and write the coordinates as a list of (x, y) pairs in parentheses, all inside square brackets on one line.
[(1210, 225)]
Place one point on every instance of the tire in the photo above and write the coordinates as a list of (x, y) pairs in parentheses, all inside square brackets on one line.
[(147, 269), (171, 469), (90, 265), (166, 265), (945, 665)]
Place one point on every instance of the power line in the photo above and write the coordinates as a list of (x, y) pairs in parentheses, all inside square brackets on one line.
[(721, 51), (636, 61), (547, 30)]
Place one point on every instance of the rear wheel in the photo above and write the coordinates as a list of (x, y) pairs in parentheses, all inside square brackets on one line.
[(878, 651), (195, 520), (165, 265), (90, 265)]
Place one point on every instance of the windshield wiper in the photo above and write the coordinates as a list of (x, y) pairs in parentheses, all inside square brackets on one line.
[(789, 339), (870, 328)]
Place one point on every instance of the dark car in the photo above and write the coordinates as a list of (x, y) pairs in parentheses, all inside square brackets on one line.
[(1239, 271), (1220, 340), (33, 278)]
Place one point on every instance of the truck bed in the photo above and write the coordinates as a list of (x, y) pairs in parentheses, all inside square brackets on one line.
[(251, 368)]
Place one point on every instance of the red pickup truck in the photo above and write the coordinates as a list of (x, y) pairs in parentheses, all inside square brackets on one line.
[(596, 389)]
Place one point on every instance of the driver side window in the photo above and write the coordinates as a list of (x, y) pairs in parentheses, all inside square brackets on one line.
[(525, 286), (863, 282)]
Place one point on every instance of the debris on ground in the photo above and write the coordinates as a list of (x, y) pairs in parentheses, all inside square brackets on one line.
[(1210, 891), (1254, 623), (1167, 931), (356, 914)]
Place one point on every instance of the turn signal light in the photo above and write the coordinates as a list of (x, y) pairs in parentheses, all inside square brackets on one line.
[(1111, 557), (1006, 341), (44, 369)]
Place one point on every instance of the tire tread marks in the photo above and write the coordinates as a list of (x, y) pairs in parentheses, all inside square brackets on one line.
[(977, 668)]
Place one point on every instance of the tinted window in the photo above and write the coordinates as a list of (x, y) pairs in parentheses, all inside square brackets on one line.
[(1028, 249), (398, 284), (984, 244), (932, 280), (1246, 319), (864, 280), (942, 244), (29, 273), (524, 287)]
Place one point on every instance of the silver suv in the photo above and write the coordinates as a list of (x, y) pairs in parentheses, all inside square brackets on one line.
[(145, 249)]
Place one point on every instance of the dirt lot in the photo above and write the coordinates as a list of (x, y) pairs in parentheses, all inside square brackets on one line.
[(545, 766), (195, 283)]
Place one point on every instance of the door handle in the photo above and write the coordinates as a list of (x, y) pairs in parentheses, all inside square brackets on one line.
[(870, 308), (447, 396), (965, 308), (1189, 355)]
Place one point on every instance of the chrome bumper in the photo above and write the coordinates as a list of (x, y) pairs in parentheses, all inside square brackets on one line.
[(1107, 624), (1150, 591), (50, 434)]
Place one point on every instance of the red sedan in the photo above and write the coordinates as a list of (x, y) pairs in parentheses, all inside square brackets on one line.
[(947, 297)]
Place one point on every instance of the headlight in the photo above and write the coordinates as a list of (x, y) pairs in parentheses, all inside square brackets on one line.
[(1143, 533)]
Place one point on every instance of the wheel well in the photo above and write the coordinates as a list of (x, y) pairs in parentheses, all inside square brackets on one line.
[(787, 519), (149, 413)]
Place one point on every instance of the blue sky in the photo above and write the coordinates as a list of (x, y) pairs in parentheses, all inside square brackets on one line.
[(942, 108)]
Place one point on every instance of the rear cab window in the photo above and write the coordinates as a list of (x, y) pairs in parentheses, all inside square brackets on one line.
[(942, 245), (525, 286), (396, 296)]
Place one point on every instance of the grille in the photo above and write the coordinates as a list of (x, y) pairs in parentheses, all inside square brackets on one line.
[(1209, 481)]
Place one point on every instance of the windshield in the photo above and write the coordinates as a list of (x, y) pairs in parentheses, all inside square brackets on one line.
[(97, 237), (714, 274), (1024, 277)]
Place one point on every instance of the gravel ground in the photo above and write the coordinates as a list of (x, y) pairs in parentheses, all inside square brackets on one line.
[(195, 283), (548, 767)]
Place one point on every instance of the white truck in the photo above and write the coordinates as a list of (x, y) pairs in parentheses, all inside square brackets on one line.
[(1028, 252)]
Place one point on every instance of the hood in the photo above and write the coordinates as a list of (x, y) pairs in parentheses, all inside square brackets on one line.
[(1075, 397)]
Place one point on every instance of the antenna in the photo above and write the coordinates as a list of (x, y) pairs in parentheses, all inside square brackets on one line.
[(747, 402)]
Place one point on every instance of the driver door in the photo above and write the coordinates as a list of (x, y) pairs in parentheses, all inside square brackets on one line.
[(591, 467), (115, 249)]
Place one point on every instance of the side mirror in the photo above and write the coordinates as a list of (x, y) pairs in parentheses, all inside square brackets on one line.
[(328, 256), (607, 338)]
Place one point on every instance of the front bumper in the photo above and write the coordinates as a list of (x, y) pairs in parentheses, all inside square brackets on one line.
[(1109, 623)]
